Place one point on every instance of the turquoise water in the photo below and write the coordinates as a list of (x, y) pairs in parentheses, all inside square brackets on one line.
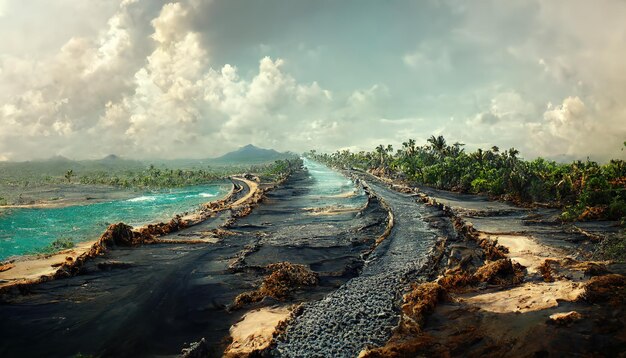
[(26, 230), (330, 189)]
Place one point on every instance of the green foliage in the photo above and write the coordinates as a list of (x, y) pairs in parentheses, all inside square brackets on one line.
[(62, 243), (33, 180), (586, 190), (279, 169), (68, 175)]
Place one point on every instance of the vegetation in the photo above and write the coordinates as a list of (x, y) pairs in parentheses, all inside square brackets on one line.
[(585, 190), (277, 170), (27, 182), (68, 175), (153, 177), (62, 243)]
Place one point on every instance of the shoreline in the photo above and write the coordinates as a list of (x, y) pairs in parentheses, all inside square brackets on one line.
[(114, 192), (29, 269)]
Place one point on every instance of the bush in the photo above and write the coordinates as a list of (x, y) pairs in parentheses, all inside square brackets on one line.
[(62, 243), (480, 185)]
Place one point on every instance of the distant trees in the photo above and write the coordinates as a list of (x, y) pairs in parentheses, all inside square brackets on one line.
[(585, 190)]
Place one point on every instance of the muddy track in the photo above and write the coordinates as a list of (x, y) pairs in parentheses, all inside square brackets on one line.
[(149, 300), (363, 311)]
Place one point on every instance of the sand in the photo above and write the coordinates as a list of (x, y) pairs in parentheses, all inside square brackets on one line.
[(531, 296), (525, 250), (254, 187), (256, 329), (30, 268)]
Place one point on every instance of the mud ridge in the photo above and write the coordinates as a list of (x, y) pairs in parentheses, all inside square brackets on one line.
[(483, 264)]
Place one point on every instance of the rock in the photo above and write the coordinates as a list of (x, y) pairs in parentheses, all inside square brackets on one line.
[(6, 267), (565, 318), (118, 234)]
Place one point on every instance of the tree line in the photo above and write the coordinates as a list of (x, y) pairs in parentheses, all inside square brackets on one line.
[(586, 190)]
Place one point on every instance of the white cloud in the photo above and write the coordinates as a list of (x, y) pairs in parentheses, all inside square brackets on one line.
[(151, 80)]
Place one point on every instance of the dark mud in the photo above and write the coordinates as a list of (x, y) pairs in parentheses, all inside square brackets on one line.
[(449, 325), (155, 298), (364, 311), (543, 224)]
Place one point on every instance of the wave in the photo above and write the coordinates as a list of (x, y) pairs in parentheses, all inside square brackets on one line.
[(207, 195), (142, 198)]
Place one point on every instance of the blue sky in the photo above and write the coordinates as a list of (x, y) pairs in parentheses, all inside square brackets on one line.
[(197, 78)]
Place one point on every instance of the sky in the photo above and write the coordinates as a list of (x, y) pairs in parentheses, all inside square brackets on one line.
[(195, 79)]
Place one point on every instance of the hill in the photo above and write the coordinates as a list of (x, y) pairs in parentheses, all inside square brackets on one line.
[(251, 154)]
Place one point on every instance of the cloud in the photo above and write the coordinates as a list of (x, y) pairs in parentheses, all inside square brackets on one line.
[(486, 118), (170, 79), (167, 100)]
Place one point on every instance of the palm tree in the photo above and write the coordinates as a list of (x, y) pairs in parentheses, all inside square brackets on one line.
[(381, 152), (411, 146), (456, 149), (438, 144), (68, 175), (479, 156), (389, 149)]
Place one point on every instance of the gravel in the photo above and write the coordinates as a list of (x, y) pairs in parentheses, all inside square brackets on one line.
[(363, 311)]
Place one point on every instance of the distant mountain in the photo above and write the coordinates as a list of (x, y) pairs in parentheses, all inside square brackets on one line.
[(111, 157), (251, 154)]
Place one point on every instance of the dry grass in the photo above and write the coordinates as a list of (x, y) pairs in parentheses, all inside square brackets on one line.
[(283, 280), (500, 272), (552, 269), (609, 288), (492, 250), (546, 271), (456, 281), (162, 229), (419, 302)]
